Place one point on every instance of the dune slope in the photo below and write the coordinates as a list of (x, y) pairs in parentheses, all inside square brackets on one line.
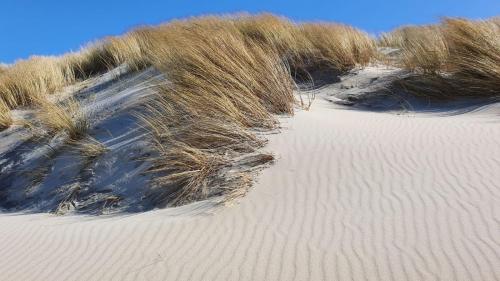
[(354, 195)]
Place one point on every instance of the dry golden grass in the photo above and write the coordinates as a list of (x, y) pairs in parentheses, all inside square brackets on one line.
[(195, 159), (5, 116), (127, 49), (93, 59), (457, 58), (66, 116), (212, 64), (188, 173), (153, 42), (399, 37), (101, 56), (169, 125), (29, 81), (339, 46), (87, 147), (336, 45), (221, 85), (424, 48), (475, 54), (278, 33)]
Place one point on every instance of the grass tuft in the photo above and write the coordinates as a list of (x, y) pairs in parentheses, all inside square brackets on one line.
[(28, 81), (222, 85), (458, 58), (88, 147), (424, 48), (66, 117), (339, 46), (277, 33), (5, 116), (475, 54)]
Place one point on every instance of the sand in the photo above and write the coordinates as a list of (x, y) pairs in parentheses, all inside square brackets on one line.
[(111, 103), (354, 195)]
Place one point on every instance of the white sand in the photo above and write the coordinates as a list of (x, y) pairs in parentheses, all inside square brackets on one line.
[(354, 195)]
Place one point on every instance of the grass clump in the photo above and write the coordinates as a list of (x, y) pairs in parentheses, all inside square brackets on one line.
[(93, 59), (424, 48), (277, 33), (28, 81), (101, 56), (5, 116), (475, 54), (188, 174), (88, 147), (127, 49), (458, 58), (299, 45), (212, 64), (222, 85), (339, 46), (67, 117), (196, 160)]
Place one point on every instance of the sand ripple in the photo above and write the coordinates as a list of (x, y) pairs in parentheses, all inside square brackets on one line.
[(354, 195)]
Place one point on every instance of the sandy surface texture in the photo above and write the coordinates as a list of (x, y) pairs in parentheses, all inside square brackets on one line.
[(354, 195)]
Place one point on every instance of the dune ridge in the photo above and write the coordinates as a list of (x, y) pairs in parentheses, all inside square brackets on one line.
[(222, 78)]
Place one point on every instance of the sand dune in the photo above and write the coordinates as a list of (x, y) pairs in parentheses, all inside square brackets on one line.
[(354, 195)]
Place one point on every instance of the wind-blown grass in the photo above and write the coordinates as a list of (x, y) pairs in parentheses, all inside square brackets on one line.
[(66, 116), (221, 86), (277, 33), (457, 58), (424, 48), (475, 54), (29, 81), (127, 49), (5, 116), (339, 46)]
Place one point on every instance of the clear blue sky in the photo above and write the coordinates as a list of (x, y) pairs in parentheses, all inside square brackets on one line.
[(47, 27)]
